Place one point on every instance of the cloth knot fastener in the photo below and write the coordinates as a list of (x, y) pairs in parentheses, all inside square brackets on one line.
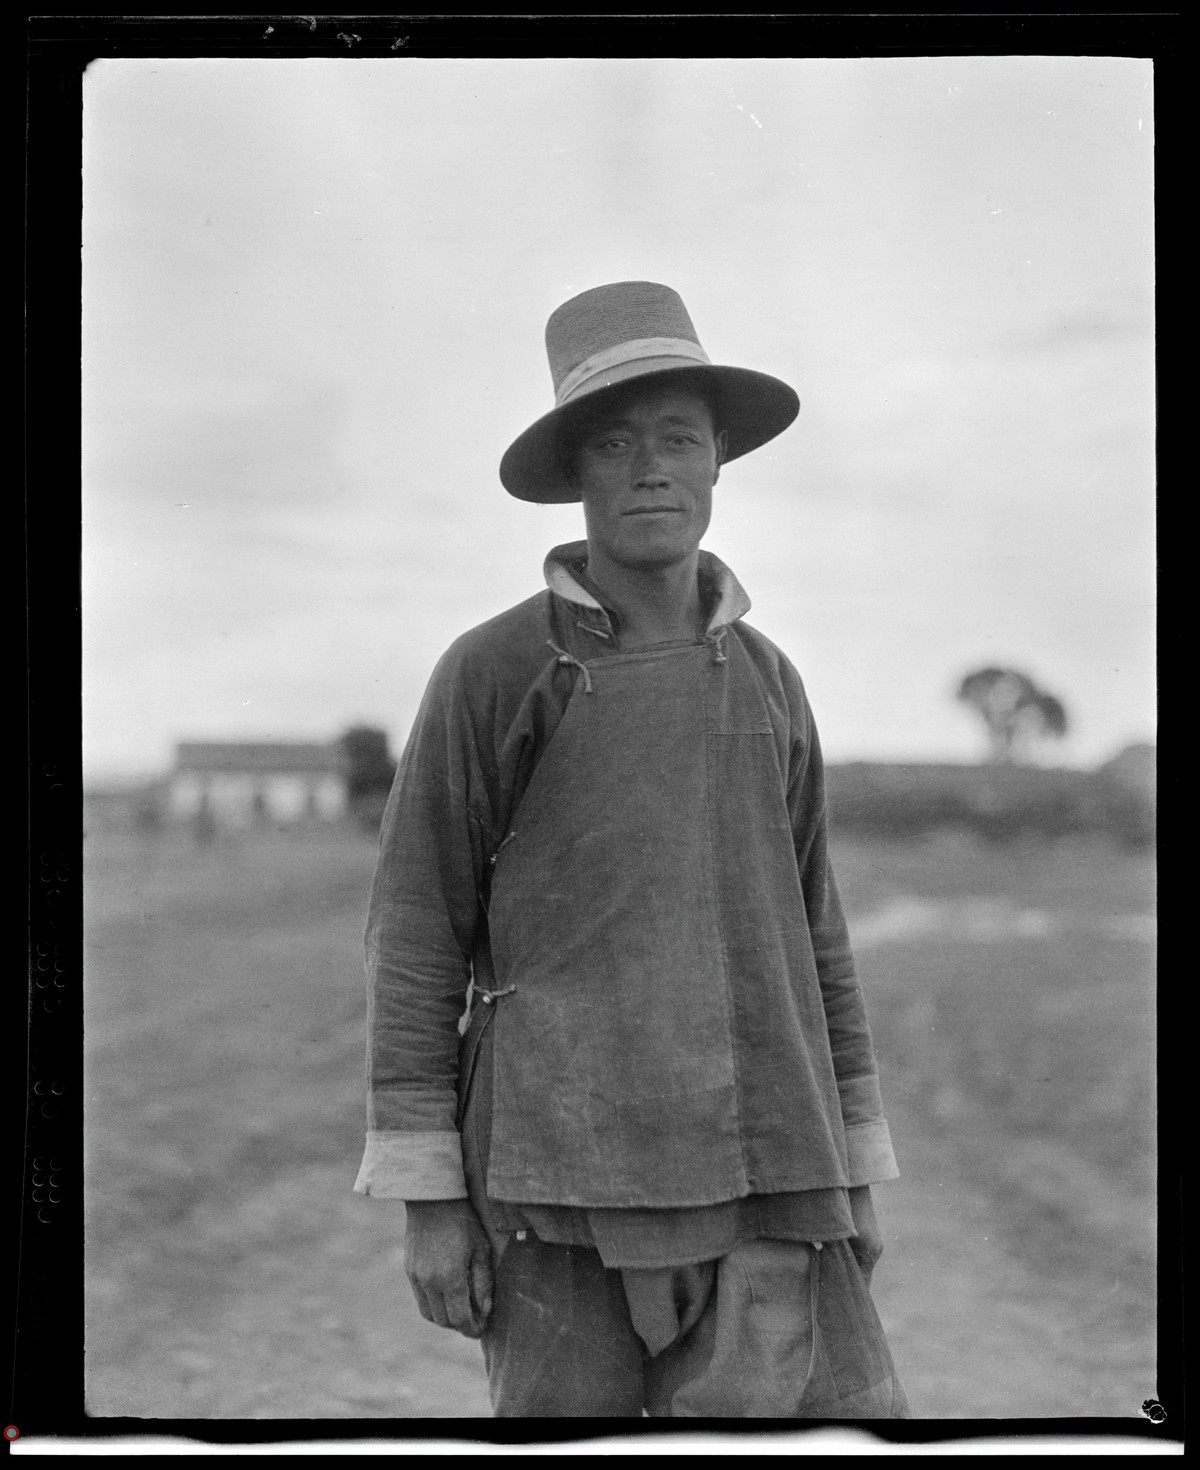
[(569, 658), (716, 642), (490, 996)]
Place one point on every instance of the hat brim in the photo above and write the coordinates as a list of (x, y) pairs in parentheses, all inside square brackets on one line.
[(752, 408)]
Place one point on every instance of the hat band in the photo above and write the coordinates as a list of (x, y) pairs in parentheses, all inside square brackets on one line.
[(625, 352)]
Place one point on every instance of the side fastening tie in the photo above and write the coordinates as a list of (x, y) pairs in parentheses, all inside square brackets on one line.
[(489, 997), (568, 658), (716, 642)]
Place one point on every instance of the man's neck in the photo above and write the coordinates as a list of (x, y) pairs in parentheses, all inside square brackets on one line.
[(660, 605)]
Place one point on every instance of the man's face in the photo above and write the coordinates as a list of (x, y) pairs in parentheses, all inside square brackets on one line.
[(645, 469)]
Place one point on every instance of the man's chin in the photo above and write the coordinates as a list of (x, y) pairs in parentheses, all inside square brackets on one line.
[(656, 560), (653, 552)]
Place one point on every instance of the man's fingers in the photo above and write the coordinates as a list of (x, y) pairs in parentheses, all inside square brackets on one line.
[(459, 1312), (433, 1303), (482, 1280), (448, 1261), (422, 1300), (449, 1306)]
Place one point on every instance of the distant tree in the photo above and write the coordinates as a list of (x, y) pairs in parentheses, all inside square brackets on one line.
[(369, 765), (1014, 710)]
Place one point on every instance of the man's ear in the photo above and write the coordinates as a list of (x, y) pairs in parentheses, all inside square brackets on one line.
[(722, 442)]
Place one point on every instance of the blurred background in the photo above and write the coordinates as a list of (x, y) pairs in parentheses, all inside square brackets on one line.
[(314, 297)]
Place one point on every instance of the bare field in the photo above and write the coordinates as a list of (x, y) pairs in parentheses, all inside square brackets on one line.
[(232, 1274)]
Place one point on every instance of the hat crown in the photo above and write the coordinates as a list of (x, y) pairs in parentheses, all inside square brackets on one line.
[(599, 320), (611, 336)]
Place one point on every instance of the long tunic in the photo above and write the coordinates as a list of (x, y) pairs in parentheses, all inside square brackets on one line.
[(628, 851)]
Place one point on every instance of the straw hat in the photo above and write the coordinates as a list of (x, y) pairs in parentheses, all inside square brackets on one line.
[(628, 330)]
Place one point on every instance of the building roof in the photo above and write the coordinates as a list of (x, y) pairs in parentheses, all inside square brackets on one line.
[(259, 758)]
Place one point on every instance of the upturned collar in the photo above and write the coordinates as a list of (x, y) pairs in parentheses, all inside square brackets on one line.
[(723, 597)]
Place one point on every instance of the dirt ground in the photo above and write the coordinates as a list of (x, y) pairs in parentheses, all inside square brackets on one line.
[(232, 1274)]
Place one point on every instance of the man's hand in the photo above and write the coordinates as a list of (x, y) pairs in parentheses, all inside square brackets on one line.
[(868, 1244), (449, 1262)]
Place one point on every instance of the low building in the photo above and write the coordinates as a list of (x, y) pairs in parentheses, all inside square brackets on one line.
[(1130, 783), (1136, 769), (128, 807), (263, 784)]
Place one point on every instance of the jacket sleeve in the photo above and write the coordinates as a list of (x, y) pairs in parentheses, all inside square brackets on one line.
[(868, 1141), (420, 930)]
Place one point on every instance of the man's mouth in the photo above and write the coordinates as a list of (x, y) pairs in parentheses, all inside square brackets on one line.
[(652, 510)]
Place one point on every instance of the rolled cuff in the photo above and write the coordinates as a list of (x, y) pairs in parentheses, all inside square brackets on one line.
[(412, 1166), (869, 1151), (860, 1099)]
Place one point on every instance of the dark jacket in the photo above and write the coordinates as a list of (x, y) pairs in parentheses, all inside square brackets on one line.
[(633, 848)]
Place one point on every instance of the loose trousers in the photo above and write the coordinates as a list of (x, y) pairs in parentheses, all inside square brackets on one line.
[(775, 1329)]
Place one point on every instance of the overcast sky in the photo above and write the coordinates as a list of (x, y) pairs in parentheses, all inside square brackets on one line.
[(314, 301)]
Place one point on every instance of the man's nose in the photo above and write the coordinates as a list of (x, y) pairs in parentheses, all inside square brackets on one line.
[(648, 468)]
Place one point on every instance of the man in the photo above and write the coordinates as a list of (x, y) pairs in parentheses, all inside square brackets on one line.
[(642, 1173)]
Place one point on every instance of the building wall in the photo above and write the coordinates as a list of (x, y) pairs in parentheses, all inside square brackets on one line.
[(240, 800), (330, 798), (184, 795)]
